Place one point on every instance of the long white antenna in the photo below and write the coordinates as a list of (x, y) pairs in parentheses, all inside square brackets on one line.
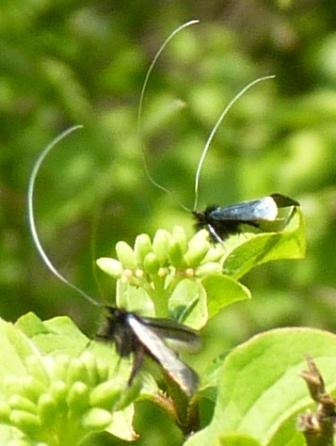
[(140, 108), (31, 218), (215, 128)]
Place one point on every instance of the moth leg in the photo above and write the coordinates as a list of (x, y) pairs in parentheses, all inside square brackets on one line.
[(214, 234), (138, 358), (117, 366)]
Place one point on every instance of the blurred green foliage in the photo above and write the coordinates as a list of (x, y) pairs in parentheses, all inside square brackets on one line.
[(69, 62)]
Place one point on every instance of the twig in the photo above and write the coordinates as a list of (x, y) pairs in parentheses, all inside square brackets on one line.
[(318, 427)]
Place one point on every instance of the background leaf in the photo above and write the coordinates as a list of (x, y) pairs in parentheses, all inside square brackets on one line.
[(260, 389)]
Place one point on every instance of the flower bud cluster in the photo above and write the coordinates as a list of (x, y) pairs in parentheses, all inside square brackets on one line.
[(168, 255), (64, 396)]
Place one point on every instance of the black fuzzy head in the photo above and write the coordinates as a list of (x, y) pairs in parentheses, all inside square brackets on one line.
[(222, 228), (116, 329), (203, 219)]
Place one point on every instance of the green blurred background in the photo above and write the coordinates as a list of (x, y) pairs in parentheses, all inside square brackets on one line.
[(66, 62)]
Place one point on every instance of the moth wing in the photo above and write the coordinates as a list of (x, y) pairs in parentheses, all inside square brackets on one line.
[(283, 201), (178, 336), (183, 375), (263, 209)]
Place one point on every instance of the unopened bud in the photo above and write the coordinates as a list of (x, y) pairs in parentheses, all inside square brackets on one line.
[(142, 247), (78, 397), (25, 421), (208, 268), (180, 237), (161, 245), (110, 266), (96, 419), (106, 394), (126, 255), (176, 254), (151, 263)]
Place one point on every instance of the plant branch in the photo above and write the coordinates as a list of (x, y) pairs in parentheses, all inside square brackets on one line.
[(318, 427)]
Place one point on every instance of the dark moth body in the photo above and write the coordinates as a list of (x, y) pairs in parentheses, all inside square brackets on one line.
[(148, 336), (224, 221)]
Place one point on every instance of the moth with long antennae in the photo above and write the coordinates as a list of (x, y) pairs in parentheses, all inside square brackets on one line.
[(219, 221), (130, 333)]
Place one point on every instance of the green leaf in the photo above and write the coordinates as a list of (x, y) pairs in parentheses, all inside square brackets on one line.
[(188, 303), (237, 440), (121, 425), (15, 349), (57, 335), (222, 291), (134, 299), (261, 248), (260, 390)]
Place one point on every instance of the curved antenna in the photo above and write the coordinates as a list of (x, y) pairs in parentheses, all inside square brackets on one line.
[(214, 130), (31, 218), (140, 108)]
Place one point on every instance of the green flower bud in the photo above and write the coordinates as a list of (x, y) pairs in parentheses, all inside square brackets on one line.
[(4, 412), (163, 272), (189, 273), (25, 421), (126, 255), (47, 409), (142, 246), (78, 397), (161, 245), (57, 366), (180, 237), (76, 371), (127, 276), (106, 394), (208, 268), (90, 363), (112, 267), (96, 419), (32, 388), (102, 371), (196, 252), (139, 273), (176, 254), (151, 263), (19, 402), (58, 392)]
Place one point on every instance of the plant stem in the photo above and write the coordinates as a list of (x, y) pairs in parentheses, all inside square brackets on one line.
[(318, 428)]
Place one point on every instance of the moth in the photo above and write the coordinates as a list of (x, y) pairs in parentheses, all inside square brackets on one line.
[(130, 332), (224, 221), (145, 336), (219, 221)]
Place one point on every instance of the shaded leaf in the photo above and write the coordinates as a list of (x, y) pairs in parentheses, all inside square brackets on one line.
[(188, 304), (289, 243)]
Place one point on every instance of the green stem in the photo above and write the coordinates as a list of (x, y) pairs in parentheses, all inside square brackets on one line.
[(160, 298)]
